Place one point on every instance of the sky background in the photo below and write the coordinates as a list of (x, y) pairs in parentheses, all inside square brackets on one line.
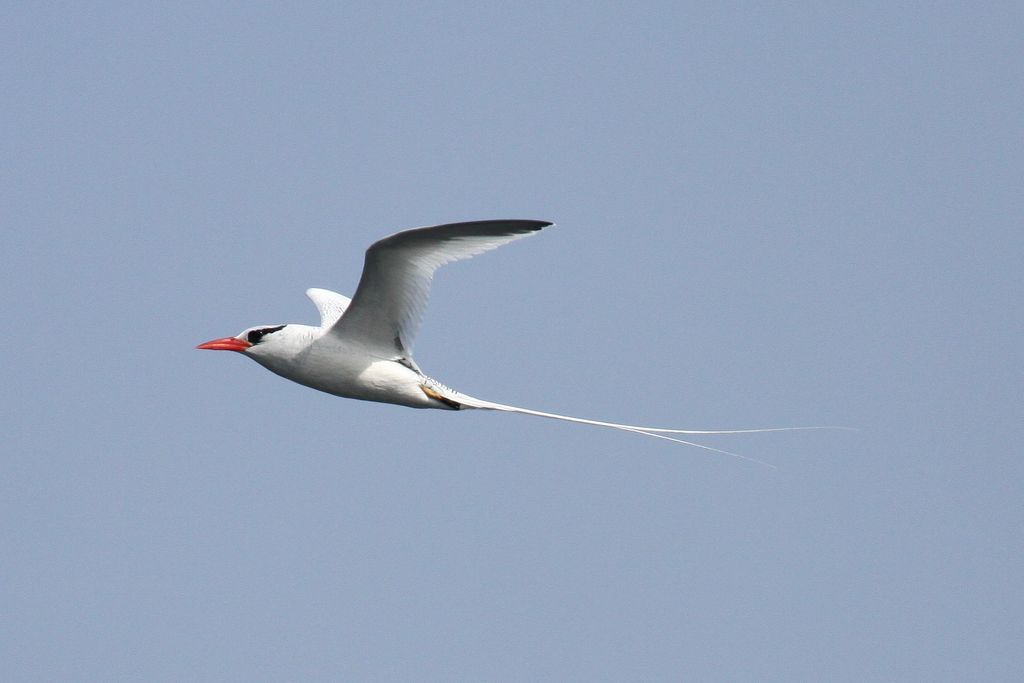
[(807, 214)]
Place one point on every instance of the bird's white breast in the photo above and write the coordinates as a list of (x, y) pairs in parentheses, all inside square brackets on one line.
[(349, 371)]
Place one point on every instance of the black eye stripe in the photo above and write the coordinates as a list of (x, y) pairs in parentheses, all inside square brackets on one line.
[(255, 336)]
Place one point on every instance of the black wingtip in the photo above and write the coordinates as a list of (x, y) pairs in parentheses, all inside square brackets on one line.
[(504, 225), (531, 225), (518, 223)]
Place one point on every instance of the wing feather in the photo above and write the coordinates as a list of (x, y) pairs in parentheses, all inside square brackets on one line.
[(330, 304), (392, 294)]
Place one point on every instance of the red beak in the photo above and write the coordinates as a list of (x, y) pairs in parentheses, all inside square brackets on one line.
[(225, 344)]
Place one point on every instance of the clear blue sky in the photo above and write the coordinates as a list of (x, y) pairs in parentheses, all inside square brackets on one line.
[(800, 215)]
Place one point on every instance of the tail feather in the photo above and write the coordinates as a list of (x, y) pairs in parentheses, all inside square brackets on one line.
[(654, 432)]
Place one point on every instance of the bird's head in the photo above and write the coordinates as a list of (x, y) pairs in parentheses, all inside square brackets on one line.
[(264, 340)]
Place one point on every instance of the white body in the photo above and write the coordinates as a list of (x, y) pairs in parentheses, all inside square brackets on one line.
[(344, 368)]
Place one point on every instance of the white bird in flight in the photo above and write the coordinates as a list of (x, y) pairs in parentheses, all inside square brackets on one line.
[(363, 346)]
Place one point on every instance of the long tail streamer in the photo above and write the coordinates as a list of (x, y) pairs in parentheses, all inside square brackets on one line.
[(654, 432)]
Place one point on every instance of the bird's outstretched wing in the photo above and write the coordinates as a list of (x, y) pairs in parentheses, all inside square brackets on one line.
[(330, 304), (388, 304)]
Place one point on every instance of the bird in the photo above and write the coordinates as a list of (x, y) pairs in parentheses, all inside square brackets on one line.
[(362, 348)]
